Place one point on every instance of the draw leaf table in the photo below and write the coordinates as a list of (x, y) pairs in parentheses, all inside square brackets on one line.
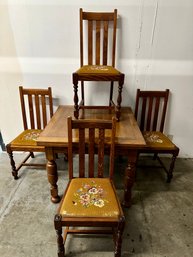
[(128, 140)]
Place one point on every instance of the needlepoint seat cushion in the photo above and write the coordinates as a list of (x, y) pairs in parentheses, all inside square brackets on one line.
[(90, 197), (27, 137), (99, 69), (157, 139)]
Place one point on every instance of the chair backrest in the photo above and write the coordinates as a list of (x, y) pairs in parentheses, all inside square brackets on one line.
[(99, 31), (36, 106), (95, 137), (150, 109)]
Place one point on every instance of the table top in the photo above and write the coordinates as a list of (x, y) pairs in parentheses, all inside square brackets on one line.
[(128, 133)]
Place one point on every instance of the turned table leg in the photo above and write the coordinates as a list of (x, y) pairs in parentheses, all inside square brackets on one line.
[(129, 177), (52, 175)]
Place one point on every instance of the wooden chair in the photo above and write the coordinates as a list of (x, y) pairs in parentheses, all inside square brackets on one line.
[(90, 200), (97, 68), (35, 117), (150, 112)]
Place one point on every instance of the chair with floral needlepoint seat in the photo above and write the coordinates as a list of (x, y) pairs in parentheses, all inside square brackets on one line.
[(37, 109), (90, 199), (101, 42), (150, 112)]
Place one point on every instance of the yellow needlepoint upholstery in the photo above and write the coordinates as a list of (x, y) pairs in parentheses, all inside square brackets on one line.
[(90, 197), (157, 139), (100, 69), (27, 137)]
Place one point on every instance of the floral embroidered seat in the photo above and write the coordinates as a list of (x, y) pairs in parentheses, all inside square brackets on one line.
[(90, 201), (90, 197), (36, 111), (98, 69), (150, 112), (27, 137), (158, 140)]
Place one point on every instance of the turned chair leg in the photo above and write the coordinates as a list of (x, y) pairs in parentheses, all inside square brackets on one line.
[(60, 241), (12, 162), (61, 252)]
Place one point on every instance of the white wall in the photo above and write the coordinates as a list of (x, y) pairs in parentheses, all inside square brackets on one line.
[(39, 47)]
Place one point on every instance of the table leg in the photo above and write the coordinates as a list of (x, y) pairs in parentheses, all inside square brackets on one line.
[(52, 175), (129, 177)]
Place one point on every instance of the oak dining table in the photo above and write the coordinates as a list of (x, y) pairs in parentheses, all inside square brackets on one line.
[(128, 139)]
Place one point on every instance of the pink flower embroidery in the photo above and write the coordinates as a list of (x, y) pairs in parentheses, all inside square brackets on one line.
[(93, 190), (85, 197), (89, 195)]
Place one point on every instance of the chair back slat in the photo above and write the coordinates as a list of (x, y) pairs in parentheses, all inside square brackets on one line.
[(92, 137), (105, 42), (50, 102), (101, 153), (90, 42), (99, 23), (44, 113), (70, 150), (98, 41), (37, 104), (91, 152), (31, 111), (23, 109), (114, 36), (81, 37), (150, 109), (35, 110), (81, 153), (142, 125), (112, 152), (156, 113), (149, 114)]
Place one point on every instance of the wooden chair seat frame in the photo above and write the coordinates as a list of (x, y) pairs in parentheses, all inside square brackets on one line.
[(34, 101), (150, 112), (98, 50), (99, 224)]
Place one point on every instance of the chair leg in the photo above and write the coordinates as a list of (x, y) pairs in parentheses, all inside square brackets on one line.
[(171, 168), (32, 155), (155, 156), (119, 98), (118, 242), (82, 92), (12, 162), (111, 93), (60, 242), (76, 107)]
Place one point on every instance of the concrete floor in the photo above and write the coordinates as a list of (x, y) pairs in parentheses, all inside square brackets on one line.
[(159, 223)]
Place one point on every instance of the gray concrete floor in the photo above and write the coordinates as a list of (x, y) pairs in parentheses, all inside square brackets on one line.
[(159, 223)]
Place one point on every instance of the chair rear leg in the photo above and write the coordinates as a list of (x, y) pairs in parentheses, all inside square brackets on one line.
[(111, 93), (118, 243)]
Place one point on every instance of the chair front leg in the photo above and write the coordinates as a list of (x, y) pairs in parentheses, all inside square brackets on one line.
[(12, 162), (32, 155), (58, 228), (171, 168)]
